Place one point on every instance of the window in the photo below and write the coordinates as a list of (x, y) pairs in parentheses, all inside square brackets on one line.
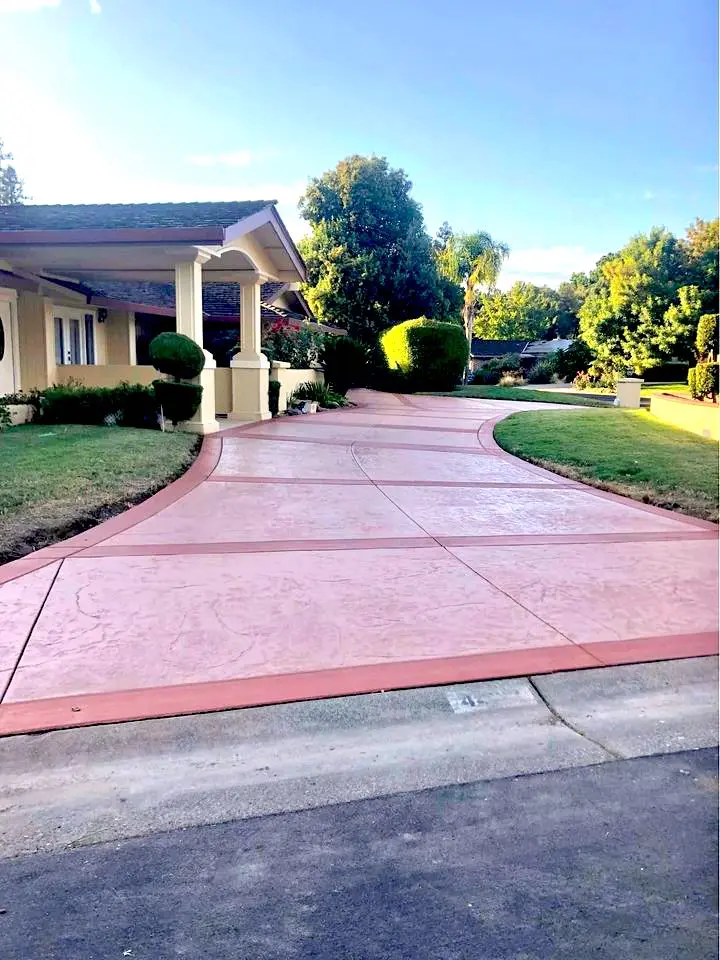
[(59, 341), (74, 337), (89, 338)]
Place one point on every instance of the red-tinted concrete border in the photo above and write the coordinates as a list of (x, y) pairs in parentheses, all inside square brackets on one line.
[(199, 470), (490, 445), (91, 709)]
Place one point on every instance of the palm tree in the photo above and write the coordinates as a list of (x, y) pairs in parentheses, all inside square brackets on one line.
[(472, 260)]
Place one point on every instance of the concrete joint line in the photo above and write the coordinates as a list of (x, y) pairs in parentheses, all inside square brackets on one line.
[(613, 754)]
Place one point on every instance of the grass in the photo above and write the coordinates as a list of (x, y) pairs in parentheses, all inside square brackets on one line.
[(625, 451), (516, 393), (58, 480), (650, 388)]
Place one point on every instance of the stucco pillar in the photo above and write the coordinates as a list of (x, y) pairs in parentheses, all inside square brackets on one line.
[(250, 369), (189, 320)]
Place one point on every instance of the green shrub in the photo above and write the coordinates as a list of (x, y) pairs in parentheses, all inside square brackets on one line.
[(177, 355), (346, 363), (706, 341), (4, 417), (127, 405), (431, 354), (569, 363), (542, 372), (703, 381), (321, 393), (300, 346), (178, 399), (274, 397), (486, 375)]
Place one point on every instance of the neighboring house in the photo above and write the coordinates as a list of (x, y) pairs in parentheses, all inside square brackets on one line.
[(78, 281), (484, 350)]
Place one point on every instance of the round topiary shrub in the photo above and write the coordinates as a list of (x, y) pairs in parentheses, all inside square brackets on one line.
[(177, 355), (179, 401), (431, 354)]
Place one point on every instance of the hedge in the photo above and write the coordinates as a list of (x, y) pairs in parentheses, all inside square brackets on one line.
[(703, 381), (431, 354), (706, 340), (345, 362), (127, 405)]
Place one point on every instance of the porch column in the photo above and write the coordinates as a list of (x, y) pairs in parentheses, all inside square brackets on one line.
[(189, 320), (250, 369)]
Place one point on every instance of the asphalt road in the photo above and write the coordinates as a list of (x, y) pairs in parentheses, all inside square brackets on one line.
[(610, 861)]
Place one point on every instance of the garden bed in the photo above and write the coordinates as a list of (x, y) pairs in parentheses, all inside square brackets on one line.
[(57, 481), (625, 451)]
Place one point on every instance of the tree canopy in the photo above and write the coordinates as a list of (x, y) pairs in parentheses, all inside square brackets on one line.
[(12, 189), (370, 262), (642, 307), (524, 312)]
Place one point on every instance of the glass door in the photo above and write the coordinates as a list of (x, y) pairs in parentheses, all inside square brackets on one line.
[(74, 337)]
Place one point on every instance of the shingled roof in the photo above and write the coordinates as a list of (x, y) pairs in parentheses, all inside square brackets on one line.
[(137, 216)]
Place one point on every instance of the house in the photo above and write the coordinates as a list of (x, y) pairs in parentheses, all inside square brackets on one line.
[(529, 350), (78, 282)]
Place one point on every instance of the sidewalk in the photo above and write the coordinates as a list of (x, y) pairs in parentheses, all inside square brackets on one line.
[(392, 545)]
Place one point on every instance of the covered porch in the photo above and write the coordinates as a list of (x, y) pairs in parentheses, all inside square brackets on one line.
[(60, 326)]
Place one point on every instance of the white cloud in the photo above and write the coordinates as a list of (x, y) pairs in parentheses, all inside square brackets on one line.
[(95, 6), (649, 195), (26, 6), (546, 266)]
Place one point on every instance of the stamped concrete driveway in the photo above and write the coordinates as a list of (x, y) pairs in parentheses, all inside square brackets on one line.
[(387, 546)]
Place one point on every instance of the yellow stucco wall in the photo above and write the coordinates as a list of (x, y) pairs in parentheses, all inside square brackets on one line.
[(694, 416), (223, 390), (106, 376), (119, 332), (290, 379), (35, 341)]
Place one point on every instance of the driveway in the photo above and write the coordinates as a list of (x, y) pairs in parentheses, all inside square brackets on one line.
[(391, 545)]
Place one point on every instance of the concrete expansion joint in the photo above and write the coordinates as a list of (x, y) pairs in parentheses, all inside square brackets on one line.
[(559, 718)]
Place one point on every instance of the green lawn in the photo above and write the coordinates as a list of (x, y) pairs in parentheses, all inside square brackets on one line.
[(58, 480), (650, 388), (516, 393), (625, 451)]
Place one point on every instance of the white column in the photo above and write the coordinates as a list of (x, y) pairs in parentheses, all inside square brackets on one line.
[(189, 320), (250, 368)]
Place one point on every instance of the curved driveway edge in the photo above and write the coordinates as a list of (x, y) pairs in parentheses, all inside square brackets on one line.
[(393, 545)]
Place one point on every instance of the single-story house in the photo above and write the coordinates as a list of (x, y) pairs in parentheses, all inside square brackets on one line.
[(529, 350), (80, 283)]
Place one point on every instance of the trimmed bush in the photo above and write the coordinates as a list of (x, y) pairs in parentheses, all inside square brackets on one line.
[(126, 405), (703, 381), (176, 355), (274, 397), (487, 375), (178, 399), (346, 363), (542, 372), (706, 341), (431, 354)]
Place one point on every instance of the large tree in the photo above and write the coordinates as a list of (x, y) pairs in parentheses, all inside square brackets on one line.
[(12, 189), (641, 309), (370, 262), (524, 312), (700, 249)]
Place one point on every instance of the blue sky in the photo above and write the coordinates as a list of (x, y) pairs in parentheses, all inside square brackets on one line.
[(561, 126)]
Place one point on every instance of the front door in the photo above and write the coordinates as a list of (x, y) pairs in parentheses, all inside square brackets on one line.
[(7, 352)]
